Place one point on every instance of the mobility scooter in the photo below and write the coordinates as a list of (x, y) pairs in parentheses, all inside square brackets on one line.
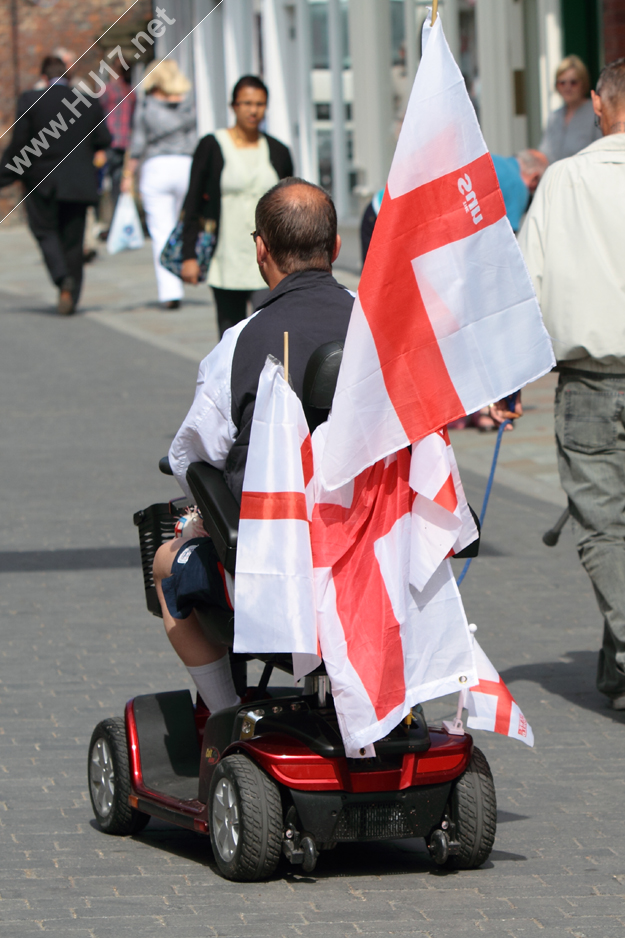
[(269, 777)]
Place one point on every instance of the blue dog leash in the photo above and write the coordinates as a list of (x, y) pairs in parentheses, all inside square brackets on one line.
[(511, 402)]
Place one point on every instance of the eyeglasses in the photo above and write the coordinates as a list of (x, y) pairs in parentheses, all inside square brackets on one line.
[(255, 234), (249, 104), (563, 82)]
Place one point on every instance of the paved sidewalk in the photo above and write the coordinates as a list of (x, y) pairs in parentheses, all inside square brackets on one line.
[(87, 411), (120, 293)]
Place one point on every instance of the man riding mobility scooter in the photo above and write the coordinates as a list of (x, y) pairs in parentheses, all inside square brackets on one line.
[(270, 775)]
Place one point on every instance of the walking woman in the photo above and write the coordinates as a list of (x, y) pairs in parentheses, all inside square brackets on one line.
[(232, 169), (164, 136)]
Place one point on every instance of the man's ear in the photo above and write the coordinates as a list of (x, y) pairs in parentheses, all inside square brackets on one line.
[(261, 251), (596, 103), (337, 248)]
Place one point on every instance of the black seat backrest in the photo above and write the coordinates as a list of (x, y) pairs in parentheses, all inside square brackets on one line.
[(219, 507), (320, 379)]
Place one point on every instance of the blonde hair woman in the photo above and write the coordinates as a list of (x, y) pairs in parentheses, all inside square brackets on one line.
[(164, 137), (571, 127)]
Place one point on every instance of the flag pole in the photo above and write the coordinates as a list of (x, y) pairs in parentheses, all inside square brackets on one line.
[(434, 10), (286, 357)]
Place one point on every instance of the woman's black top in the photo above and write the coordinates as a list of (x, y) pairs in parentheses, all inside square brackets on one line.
[(203, 199)]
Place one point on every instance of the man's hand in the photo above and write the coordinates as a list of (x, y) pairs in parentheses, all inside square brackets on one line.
[(99, 159), (500, 411), (190, 271)]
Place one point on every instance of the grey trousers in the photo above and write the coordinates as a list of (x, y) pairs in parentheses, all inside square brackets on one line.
[(590, 436)]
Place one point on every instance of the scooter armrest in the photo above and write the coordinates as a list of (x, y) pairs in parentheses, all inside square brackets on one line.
[(219, 509)]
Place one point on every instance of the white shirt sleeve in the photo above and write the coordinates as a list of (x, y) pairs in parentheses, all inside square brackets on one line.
[(531, 235), (208, 431)]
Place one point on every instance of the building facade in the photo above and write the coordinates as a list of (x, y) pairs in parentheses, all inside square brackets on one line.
[(340, 71)]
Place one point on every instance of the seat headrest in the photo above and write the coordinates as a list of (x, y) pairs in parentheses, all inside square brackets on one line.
[(321, 375)]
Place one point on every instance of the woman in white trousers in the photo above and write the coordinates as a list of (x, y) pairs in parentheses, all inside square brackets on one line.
[(164, 137), (163, 186)]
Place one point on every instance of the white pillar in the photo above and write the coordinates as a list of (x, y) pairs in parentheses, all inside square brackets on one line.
[(550, 55), (411, 39), (339, 149), (496, 100), (238, 30), (210, 90), (370, 45), (307, 164), (276, 73)]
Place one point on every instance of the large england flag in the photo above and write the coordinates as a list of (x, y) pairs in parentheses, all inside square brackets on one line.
[(274, 598), (446, 319), (387, 643)]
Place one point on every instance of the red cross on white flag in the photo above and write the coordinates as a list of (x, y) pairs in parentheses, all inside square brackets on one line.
[(492, 707), (446, 319), (273, 588)]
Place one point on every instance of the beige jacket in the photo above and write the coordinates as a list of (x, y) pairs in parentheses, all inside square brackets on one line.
[(573, 240)]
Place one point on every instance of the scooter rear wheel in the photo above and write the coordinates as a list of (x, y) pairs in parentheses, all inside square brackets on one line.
[(245, 820), (473, 808), (109, 780)]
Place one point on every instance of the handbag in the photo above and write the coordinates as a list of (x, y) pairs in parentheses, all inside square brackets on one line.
[(171, 255)]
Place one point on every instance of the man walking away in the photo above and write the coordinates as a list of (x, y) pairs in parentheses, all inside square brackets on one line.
[(573, 244), (52, 152)]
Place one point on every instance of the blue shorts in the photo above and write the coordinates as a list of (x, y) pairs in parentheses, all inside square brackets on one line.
[(197, 579)]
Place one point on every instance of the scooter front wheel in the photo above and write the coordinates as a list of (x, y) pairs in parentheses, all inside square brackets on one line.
[(245, 820), (109, 780)]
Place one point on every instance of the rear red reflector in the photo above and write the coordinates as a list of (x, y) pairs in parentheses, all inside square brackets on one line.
[(439, 763)]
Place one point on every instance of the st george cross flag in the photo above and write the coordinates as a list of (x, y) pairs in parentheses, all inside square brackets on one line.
[(386, 644), (273, 588), (446, 319), (492, 707)]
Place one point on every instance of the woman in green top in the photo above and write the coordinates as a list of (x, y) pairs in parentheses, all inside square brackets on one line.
[(231, 170)]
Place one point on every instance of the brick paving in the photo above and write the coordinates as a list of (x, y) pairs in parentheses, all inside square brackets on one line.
[(87, 411)]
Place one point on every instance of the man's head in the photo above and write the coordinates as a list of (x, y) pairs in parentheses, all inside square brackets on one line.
[(52, 67), (609, 98), (532, 164), (295, 230)]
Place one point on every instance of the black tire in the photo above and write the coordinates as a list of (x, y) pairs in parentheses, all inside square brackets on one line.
[(473, 809), (109, 780), (246, 824)]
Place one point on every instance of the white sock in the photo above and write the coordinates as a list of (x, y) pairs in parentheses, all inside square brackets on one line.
[(215, 684)]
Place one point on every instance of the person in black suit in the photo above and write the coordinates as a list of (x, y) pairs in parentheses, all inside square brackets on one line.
[(55, 139)]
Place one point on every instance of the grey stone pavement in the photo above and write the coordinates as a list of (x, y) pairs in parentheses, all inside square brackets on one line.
[(89, 404)]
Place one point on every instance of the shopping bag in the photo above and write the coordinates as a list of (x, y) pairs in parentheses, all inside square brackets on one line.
[(126, 232), (171, 255)]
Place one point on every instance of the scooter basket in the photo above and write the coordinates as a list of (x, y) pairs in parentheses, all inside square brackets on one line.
[(156, 525)]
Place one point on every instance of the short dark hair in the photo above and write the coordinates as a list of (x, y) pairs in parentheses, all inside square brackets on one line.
[(53, 67), (249, 81), (611, 83), (299, 233)]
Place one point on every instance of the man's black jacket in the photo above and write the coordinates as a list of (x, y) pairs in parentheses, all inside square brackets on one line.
[(73, 179)]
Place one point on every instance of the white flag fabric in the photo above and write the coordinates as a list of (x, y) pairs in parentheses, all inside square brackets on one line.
[(446, 319), (274, 603), (492, 707), (442, 523)]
